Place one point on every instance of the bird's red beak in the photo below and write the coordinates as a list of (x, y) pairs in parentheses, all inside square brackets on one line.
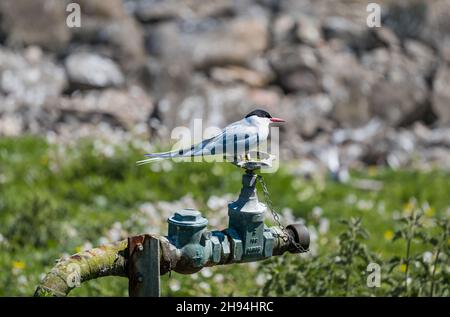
[(277, 120)]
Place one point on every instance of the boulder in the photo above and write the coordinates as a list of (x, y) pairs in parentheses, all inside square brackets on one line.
[(306, 115), (30, 78), (308, 31), (423, 57), (283, 29), (441, 94), (234, 42), (342, 28), (406, 18), (348, 84), (108, 23), (400, 92), (38, 22), (156, 10), (123, 108), (296, 68), (87, 70), (231, 74), (436, 30)]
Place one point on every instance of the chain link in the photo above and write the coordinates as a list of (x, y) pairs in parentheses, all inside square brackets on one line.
[(276, 217)]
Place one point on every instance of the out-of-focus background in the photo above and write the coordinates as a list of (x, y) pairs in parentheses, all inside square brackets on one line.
[(368, 106)]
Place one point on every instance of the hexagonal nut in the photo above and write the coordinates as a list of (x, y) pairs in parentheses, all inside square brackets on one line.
[(216, 249), (268, 243), (226, 248), (236, 245)]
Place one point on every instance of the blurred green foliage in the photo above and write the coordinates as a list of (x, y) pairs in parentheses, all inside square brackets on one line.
[(54, 200)]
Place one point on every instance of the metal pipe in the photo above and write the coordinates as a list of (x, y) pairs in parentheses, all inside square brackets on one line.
[(115, 259), (68, 273)]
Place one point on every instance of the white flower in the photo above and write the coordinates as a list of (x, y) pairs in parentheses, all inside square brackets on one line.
[(149, 210), (364, 204), (22, 280), (218, 278), (174, 285), (427, 257), (115, 232), (324, 225), (288, 215), (317, 212), (108, 151), (87, 245), (260, 279), (204, 286), (206, 272), (215, 202), (103, 241), (381, 208), (351, 199), (101, 201), (396, 215)]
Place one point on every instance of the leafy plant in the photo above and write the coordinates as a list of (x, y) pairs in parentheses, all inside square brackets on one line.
[(343, 273)]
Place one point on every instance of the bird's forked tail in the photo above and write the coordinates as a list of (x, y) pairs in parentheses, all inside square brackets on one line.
[(155, 157)]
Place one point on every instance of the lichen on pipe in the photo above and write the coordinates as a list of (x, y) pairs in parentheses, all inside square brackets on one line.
[(68, 273)]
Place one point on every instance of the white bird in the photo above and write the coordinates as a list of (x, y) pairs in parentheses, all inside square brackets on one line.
[(235, 140)]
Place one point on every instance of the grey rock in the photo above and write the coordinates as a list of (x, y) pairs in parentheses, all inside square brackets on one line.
[(296, 68), (307, 115), (437, 23), (108, 23), (308, 31), (365, 134), (342, 28), (400, 91), (441, 94), (87, 70), (197, 45), (30, 78), (157, 10), (231, 74), (406, 18), (348, 84), (283, 29), (39, 22), (123, 108), (240, 40), (423, 57)]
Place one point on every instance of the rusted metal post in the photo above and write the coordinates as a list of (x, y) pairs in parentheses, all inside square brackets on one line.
[(143, 266)]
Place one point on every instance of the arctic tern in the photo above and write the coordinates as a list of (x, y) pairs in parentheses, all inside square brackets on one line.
[(237, 139)]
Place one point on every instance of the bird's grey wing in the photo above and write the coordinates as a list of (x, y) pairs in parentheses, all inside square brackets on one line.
[(234, 138)]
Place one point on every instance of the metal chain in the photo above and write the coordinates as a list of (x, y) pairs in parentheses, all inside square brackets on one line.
[(276, 217)]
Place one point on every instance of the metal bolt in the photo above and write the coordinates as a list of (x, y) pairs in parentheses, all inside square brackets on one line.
[(140, 278), (140, 247)]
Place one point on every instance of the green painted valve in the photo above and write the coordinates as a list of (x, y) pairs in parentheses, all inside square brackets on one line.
[(246, 239)]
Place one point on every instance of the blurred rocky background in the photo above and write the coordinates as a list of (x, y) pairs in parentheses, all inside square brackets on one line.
[(136, 69)]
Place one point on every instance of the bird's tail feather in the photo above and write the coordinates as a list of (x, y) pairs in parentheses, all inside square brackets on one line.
[(156, 157), (146, 161)]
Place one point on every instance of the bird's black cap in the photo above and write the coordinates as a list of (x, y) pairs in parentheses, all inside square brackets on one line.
[(259, 113)]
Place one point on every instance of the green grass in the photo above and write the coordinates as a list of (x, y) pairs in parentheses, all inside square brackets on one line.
[(45, 193)]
